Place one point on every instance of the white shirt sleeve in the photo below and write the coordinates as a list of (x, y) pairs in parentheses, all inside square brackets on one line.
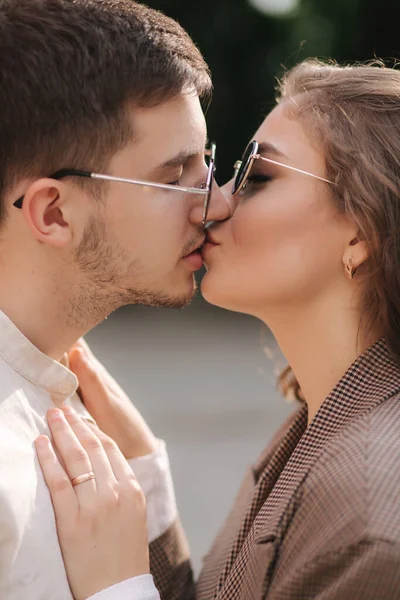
[(137, 588), (154, 476)]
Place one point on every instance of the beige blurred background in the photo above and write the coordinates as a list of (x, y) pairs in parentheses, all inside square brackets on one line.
[(204, 383)]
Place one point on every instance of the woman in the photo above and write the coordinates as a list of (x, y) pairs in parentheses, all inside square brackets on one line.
[(313, 250)]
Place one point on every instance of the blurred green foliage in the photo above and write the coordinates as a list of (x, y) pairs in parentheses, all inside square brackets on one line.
[(247, 50)]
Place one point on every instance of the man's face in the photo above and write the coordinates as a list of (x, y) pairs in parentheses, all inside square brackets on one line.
[(133, 244)]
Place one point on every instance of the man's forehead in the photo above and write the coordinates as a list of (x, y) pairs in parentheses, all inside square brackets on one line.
[(175, 126), (183, 113)]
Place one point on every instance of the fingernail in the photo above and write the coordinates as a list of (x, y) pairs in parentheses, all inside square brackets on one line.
[(42, 441), (74, 355), (68, 410), (55, 414)]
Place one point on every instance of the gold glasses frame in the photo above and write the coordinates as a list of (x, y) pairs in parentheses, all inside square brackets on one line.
[(243, 168)]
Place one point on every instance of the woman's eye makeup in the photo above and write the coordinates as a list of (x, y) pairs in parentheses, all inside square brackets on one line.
[(259, 178), (255, 181)]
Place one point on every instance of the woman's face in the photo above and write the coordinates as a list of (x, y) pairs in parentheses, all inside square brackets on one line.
[(284, 244)]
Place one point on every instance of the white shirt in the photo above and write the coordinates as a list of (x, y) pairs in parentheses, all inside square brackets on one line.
[(31, 564)]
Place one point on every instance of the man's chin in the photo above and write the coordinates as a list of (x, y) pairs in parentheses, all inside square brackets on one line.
[(171, 301), (180, 300), (164, 299)]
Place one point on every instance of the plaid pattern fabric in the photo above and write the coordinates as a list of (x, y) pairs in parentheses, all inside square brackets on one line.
[(317, 516), (170, 564)]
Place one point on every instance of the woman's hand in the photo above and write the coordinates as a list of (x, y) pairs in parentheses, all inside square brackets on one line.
[(108, 404), (101, 522)]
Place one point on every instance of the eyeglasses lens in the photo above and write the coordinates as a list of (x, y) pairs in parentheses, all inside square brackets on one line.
[(244, 168)]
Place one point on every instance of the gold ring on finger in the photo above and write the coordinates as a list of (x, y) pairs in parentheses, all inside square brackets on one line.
[(82, 478)]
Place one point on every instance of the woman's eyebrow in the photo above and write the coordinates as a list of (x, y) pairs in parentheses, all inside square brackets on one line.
[(267, 148)]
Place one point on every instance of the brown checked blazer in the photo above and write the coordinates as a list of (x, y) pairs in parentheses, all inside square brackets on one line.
[(318, 515)]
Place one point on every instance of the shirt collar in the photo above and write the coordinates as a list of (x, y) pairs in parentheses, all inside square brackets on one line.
[(38, 368)]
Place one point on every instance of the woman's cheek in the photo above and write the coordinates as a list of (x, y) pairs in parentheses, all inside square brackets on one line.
[(248, 225)]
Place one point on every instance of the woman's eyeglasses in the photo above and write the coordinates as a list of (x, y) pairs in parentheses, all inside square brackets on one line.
[(204, 190), (244, 166)]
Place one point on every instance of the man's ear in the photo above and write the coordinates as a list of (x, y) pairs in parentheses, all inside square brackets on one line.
[(43, 212)]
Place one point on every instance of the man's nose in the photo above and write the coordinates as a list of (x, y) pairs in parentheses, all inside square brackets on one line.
[(219, 208)]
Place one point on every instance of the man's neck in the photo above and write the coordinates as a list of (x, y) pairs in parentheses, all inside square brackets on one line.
[(38, 310)]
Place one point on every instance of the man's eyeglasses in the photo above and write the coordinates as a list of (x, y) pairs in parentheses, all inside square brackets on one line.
[(244, 166), (204, 189)]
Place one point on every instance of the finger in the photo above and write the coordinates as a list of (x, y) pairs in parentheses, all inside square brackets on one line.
[(80, 355), (93, 382), (117, 460), (85, 357), (91, 443), (82, 345), (74, 456), (76, 364), (84, 354), (61, 490), (79, 359), (76, 357)]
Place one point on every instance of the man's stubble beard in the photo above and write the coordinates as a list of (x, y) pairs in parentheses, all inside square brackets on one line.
[(105, 279)]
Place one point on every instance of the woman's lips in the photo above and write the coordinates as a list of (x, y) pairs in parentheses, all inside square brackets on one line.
[(208, 246)]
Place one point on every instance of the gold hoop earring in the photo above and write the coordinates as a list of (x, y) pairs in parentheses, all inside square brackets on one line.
[(349, 268)]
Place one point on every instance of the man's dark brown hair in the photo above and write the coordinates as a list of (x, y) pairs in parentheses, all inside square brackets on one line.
[(68, 71)]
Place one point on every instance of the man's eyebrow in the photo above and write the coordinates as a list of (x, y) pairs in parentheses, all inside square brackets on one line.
[(267, 148), (182, 157)]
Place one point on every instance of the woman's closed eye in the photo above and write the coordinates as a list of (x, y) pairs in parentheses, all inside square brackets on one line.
[(254, 182)]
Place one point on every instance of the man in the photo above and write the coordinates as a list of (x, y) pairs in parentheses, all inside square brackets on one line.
[(91, 90)]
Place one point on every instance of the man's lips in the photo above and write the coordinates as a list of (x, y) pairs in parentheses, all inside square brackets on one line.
[(195, 248), (194, 259)]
